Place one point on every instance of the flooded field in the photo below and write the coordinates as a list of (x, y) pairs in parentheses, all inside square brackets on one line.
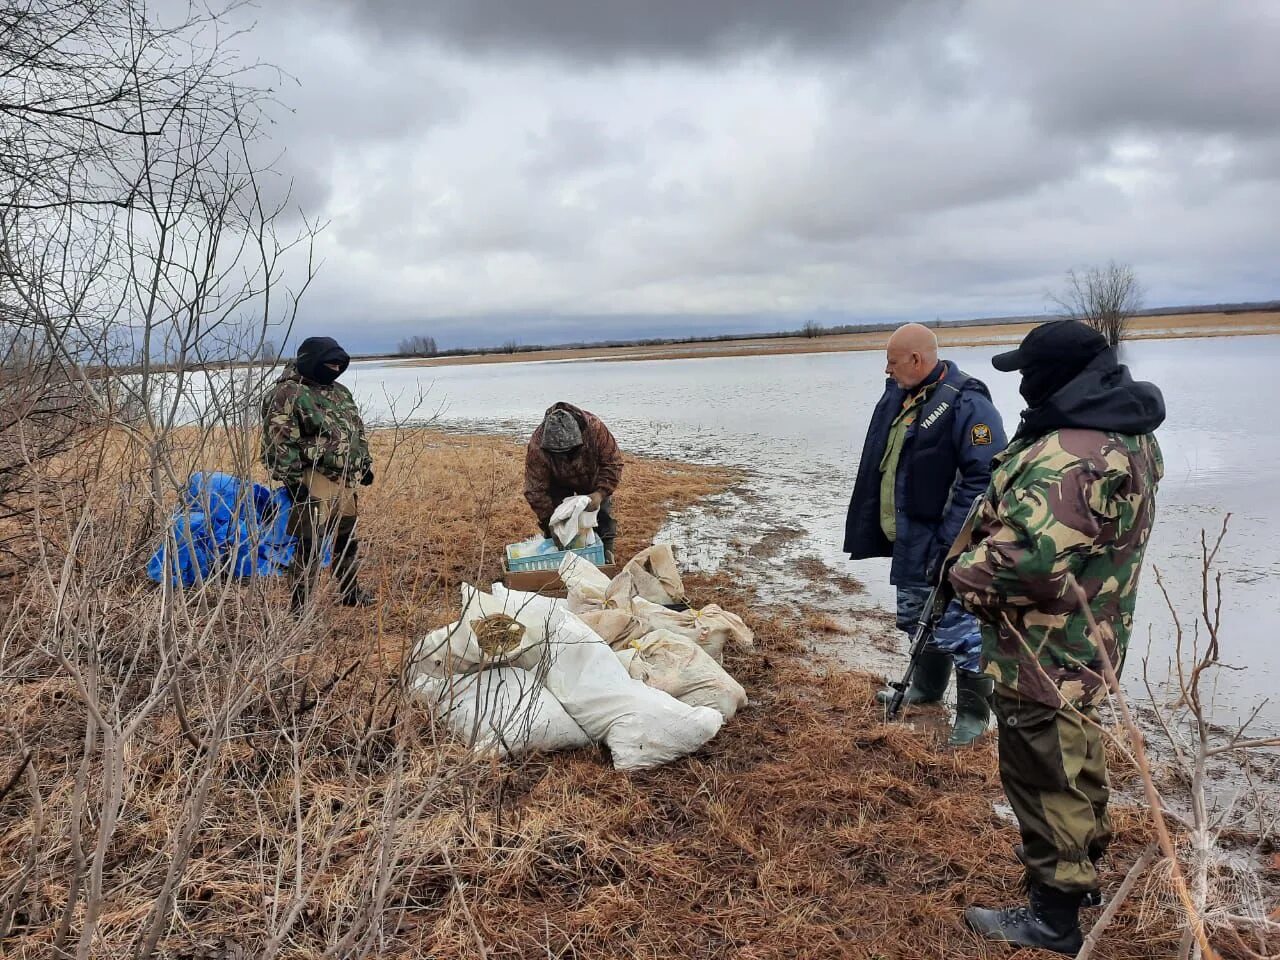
[(797, 423)]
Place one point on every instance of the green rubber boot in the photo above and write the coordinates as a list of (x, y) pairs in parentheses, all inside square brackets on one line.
[(973, 707), (928, 680)]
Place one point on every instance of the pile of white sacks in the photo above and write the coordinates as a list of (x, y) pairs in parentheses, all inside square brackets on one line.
[(612, 664)]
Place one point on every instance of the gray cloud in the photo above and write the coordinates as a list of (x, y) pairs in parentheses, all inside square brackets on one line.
[(1194, 65), (603, 170), (603, 30)]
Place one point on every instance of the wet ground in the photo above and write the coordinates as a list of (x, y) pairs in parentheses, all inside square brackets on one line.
[(796, 424)]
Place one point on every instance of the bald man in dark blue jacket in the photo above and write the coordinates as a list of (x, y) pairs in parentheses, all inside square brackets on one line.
[(926, 458)]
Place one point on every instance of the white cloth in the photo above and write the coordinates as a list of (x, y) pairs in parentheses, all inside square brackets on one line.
[(574, 516)]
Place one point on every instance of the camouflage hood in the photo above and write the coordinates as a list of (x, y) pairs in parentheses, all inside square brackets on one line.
[(1104, 397)]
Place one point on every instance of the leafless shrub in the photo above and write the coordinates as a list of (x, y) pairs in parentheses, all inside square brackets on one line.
[(1103, 297), (44, 420), (1197, 861)]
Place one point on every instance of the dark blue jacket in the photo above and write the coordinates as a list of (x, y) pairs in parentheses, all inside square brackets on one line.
[(945, 466)]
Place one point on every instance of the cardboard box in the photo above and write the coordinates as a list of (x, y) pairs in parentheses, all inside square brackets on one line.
[(545, 582)]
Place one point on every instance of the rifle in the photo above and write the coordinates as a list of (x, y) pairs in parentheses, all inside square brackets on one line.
[(924, 629), (930, 614)]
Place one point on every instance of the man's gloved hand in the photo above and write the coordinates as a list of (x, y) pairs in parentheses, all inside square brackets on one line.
[(366, 478), (933, 569), (596, 499), (298, 491)]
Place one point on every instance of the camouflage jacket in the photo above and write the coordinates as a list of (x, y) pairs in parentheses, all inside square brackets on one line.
[(309, 425), (597, 465), (1072, 501)]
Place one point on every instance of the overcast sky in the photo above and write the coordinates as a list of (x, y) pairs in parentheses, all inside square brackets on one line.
[(549, 170)]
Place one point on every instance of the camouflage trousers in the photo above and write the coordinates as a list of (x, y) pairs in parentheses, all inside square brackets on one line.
[(957, 633), (330, 514), (1054, 772)]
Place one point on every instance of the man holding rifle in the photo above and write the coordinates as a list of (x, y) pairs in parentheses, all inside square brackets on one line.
[(927, 456), (1071, 504)]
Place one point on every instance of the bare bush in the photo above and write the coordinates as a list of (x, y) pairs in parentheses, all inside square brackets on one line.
[(417, 346), (44, 420), (812, 329), (1103, 297), (1206, 861)]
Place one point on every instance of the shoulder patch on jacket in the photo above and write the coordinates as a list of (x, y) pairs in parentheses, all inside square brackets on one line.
[(980, 435)]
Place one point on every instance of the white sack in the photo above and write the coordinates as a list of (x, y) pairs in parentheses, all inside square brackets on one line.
[(657, 617), (446, 651), (584, 584), (710, 628), (501, 711), (546, 610), (642, 727), (574, 518), (724, 627), (454, 649), (651, 574), (674, 665), (615, 627)]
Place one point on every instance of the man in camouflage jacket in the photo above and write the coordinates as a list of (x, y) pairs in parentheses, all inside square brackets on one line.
[(314, 444), (1071, 501), (573, 453)]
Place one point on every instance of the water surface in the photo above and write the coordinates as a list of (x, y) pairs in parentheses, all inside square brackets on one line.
[(797, 423)]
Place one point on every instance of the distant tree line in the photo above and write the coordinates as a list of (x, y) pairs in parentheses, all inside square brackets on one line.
[(1104, 297), (417, 346)]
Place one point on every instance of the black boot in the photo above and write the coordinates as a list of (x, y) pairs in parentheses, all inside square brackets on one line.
[(1092, 898), (973, 707), (298, 597), (346, 570), (928, 680), (1051, 921), (354, 596)]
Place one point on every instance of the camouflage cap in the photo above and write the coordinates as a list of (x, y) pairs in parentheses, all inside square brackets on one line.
[(560, 432)]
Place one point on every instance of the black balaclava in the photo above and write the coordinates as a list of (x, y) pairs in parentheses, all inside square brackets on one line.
[(1043, 378), (1051, 356), (315, 352)]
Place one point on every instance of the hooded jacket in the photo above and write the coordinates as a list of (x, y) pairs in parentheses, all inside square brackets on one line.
[(1072, 496), (311, 425), (596, 465)]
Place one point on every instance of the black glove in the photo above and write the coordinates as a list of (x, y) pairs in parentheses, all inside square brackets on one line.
[(933, 569), (298, 491), (366, 478), (546, 532), (938, 573)]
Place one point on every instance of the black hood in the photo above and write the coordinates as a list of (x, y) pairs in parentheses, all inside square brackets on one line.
[(315, 352), (1103, 396)]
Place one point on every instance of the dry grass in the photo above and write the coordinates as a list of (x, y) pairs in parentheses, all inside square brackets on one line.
[(807, 829)]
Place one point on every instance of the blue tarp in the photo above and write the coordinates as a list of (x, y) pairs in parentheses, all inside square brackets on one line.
[(226, 524)]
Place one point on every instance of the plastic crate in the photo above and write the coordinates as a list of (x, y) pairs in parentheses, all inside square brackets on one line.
[(551, 561)]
